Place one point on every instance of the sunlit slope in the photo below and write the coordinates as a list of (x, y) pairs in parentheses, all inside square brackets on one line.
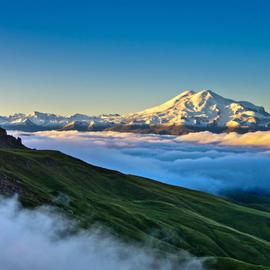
[(139, 209), (189, 111)]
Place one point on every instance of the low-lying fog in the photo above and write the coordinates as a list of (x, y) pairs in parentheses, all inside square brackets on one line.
[(30, 240), (204, 161)]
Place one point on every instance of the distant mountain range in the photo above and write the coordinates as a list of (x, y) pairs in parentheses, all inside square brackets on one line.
[(189, 111)]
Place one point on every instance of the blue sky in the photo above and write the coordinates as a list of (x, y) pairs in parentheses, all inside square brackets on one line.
[(120, 56)]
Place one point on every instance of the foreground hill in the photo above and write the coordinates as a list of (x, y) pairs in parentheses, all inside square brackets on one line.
[(138, 209), (188, 112)]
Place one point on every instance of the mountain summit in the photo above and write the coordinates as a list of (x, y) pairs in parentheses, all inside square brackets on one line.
[(203, 109), (188, 112)]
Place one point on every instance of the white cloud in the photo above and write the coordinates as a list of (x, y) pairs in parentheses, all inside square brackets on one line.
[(259, 138), (204, 161), (30, 240)]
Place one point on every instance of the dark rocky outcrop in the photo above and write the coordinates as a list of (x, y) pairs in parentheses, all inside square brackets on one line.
[(9, 141), (3, 132)]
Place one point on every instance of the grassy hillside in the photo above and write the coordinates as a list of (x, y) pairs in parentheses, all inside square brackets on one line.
[(137, 209)]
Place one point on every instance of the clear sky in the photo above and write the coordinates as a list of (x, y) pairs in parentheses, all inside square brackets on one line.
[(123, 55)]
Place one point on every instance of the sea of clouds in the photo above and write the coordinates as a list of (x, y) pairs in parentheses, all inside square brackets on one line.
[(33, 239), (30, 239), (203, 161)]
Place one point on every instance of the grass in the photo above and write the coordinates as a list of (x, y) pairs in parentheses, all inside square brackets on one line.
[(235, 236)]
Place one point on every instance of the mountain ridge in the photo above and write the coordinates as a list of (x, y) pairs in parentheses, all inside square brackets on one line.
[(204, 108), (189, 111)]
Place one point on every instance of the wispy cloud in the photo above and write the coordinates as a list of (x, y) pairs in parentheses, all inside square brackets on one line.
[(30, 240), (204, 161), (259, 138)]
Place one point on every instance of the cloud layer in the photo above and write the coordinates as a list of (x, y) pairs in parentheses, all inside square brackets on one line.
[(259, 138), (204, 161), (30, 240)]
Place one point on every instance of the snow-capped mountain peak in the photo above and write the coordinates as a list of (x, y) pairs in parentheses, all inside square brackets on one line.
[(203, 108)]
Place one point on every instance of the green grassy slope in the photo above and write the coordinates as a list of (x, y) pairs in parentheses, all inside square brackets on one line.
[(138, 209)]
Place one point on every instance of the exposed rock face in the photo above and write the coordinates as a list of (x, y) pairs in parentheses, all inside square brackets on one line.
[(3, 132), (9, 141)]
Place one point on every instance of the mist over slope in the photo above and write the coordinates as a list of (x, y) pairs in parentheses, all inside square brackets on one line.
[(203, 161), (32, 239)]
